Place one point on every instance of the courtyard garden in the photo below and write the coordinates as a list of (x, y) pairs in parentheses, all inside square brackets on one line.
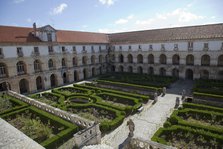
[(193, 126), (46, 129)]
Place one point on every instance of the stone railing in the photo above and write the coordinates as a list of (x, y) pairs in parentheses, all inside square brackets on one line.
[(146, 144), (89, 135)]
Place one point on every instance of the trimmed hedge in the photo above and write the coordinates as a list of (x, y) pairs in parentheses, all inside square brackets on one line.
[(56, 140), (104, 126), (197, 94), (143, 97)]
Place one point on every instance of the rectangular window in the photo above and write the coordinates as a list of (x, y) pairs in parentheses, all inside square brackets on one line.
[(140, 47), (19, 51), (83, 48), (1, 52), (130, 47), (120, 47), (99, 48), (150, 47), (50, 49), (36, 50), (175, 45), (190, 45), (49, 37), (63, 49), (74, 49), (92, 47), (206, 45)]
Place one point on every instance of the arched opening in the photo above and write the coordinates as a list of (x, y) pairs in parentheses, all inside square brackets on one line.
[(23, 86), (63, 62), (76, 75), (175, 72), (84, 60), (190, 59), (220, 60), (220, 75), (112, 58), (189, 74), (205, 60), (130, 58), (65, 80), (176, 59), (74, 61), (162, 59), (112, 68), (150, 59), (85, 73), (4, 86), (139, 70), (204, 74), (39, 83), (37, 66), (121, 69), (130, 69), (50, 64), (150, 71), (100, 59), (3, 70), (162, 71), (93, 59), (140, 59), (100, 70), (121, 58), (93, 72), (21, 68), (53, 80)]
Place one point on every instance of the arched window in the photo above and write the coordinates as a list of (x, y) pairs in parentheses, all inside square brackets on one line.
[(23, 86), (130, 58), (92, 59), (204, 74), (140, 59), (21, 68), (74, 61), (220, 60), (76, 75), (130, 69), (53, 80), (175, 72), (63, 62), (162, 59), (151, 70), (39, 83), (150, 59), (139, 69), (93, 72), (37, 66), (85, 73), (121, 58), (3, 70), (84, 60), (121, 69), (50, 64), (205, 60), (176, 59), (190, 59)]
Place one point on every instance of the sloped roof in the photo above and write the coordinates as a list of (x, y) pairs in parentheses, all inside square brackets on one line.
[(81, 37), (169, 34), (9, 34)]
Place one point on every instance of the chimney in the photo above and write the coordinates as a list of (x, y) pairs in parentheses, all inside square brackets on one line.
[(34, 29)]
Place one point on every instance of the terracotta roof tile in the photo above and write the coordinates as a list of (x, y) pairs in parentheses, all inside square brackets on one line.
[(169, 34)]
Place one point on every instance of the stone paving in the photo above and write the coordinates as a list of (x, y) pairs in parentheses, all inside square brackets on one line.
[(12, 138)]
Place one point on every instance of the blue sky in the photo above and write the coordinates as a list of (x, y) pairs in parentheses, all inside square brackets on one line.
[(110, 15)]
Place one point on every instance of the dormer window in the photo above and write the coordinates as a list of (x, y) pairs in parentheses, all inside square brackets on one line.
[(175, 47), (162, 47), (205, 46), (151, 47), (190, 46), (49, 37), (19, 52), (50, 49)]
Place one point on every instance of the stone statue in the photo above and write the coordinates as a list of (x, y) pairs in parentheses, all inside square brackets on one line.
[(164, 91), (177, 102), (7, 86), (131, 125), (183, 94), (155, 98)]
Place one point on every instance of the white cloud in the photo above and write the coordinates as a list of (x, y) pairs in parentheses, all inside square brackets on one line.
[(124, 20), (18, 1), (107, 2), (59, 9)]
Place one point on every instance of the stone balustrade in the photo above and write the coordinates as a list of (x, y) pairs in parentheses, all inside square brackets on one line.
[(140, 143)]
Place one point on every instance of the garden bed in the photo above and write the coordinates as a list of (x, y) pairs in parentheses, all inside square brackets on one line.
[(194, 126)]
